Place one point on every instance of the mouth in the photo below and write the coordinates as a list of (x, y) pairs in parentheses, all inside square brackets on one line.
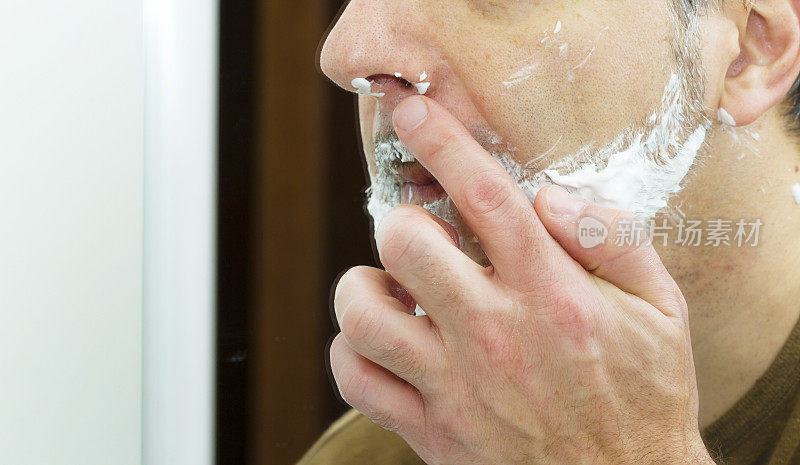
[(418, 185)]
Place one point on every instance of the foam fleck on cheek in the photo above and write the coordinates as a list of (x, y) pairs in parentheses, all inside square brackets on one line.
[(527, 67), (725, 118), (571, 75)]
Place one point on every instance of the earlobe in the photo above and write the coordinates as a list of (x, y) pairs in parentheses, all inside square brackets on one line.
[(768, 63)]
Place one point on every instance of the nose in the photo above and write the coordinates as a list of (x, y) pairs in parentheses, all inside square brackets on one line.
[(380, 41)]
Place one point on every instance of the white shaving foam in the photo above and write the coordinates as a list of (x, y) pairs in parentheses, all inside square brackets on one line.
[(633, 182), (639, 172), (422, 87), (754, 135), (364, 87), (396, 152), (725, 118), (522, 75), (643, 176)]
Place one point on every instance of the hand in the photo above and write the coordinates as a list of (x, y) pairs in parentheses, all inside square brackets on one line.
[(555, 354)]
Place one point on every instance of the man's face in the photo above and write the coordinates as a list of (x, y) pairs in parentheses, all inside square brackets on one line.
[(536, 82)]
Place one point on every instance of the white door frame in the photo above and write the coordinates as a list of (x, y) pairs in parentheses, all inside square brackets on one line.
[(180, 169)]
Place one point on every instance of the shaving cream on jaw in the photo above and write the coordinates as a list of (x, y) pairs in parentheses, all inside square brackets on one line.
[(641, 177), (638, 172)]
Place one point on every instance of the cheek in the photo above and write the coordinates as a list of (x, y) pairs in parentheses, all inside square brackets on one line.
[(582, 85), (621, 84)]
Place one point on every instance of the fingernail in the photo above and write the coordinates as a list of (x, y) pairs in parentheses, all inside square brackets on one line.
[(411, 113), (563, 204)]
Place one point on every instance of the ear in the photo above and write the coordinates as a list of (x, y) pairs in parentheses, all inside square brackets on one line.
[(768, 63)]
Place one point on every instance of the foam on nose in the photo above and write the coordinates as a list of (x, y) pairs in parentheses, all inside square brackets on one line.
[(422, 86), (364, 87)]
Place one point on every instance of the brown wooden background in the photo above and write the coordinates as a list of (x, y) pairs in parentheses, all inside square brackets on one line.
[(291, 218)]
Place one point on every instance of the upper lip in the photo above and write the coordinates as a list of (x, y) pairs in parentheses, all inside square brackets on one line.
[(415, 173), (394, 89)]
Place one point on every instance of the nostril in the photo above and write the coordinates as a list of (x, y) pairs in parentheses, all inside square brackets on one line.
[(403, 81), (384, 79), (394, 85)]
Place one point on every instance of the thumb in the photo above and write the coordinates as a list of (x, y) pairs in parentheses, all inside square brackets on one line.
[(611, 244)]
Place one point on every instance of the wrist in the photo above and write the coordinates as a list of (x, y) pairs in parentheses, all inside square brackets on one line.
[(699, 454), (689, 452)]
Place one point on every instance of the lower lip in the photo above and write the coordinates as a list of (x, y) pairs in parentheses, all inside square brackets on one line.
[(421, 193)]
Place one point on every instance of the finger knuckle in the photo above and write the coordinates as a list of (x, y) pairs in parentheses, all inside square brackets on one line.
[(456, 298), (486, 192), (355, 275), (667, 297), (351, 278), (504, 352), (362, 322), (399, 244), (405, 361), (546, 280), (628, 238), (355, 388), (678, 337), (358, 392), (573, 315), (365, 328), (334, 353), (681, 307), (452, 143)]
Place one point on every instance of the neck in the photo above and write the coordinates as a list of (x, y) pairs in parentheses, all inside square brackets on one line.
[(743, 301)]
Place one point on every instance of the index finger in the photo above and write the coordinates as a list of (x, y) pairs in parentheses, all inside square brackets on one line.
[(494, 207)]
